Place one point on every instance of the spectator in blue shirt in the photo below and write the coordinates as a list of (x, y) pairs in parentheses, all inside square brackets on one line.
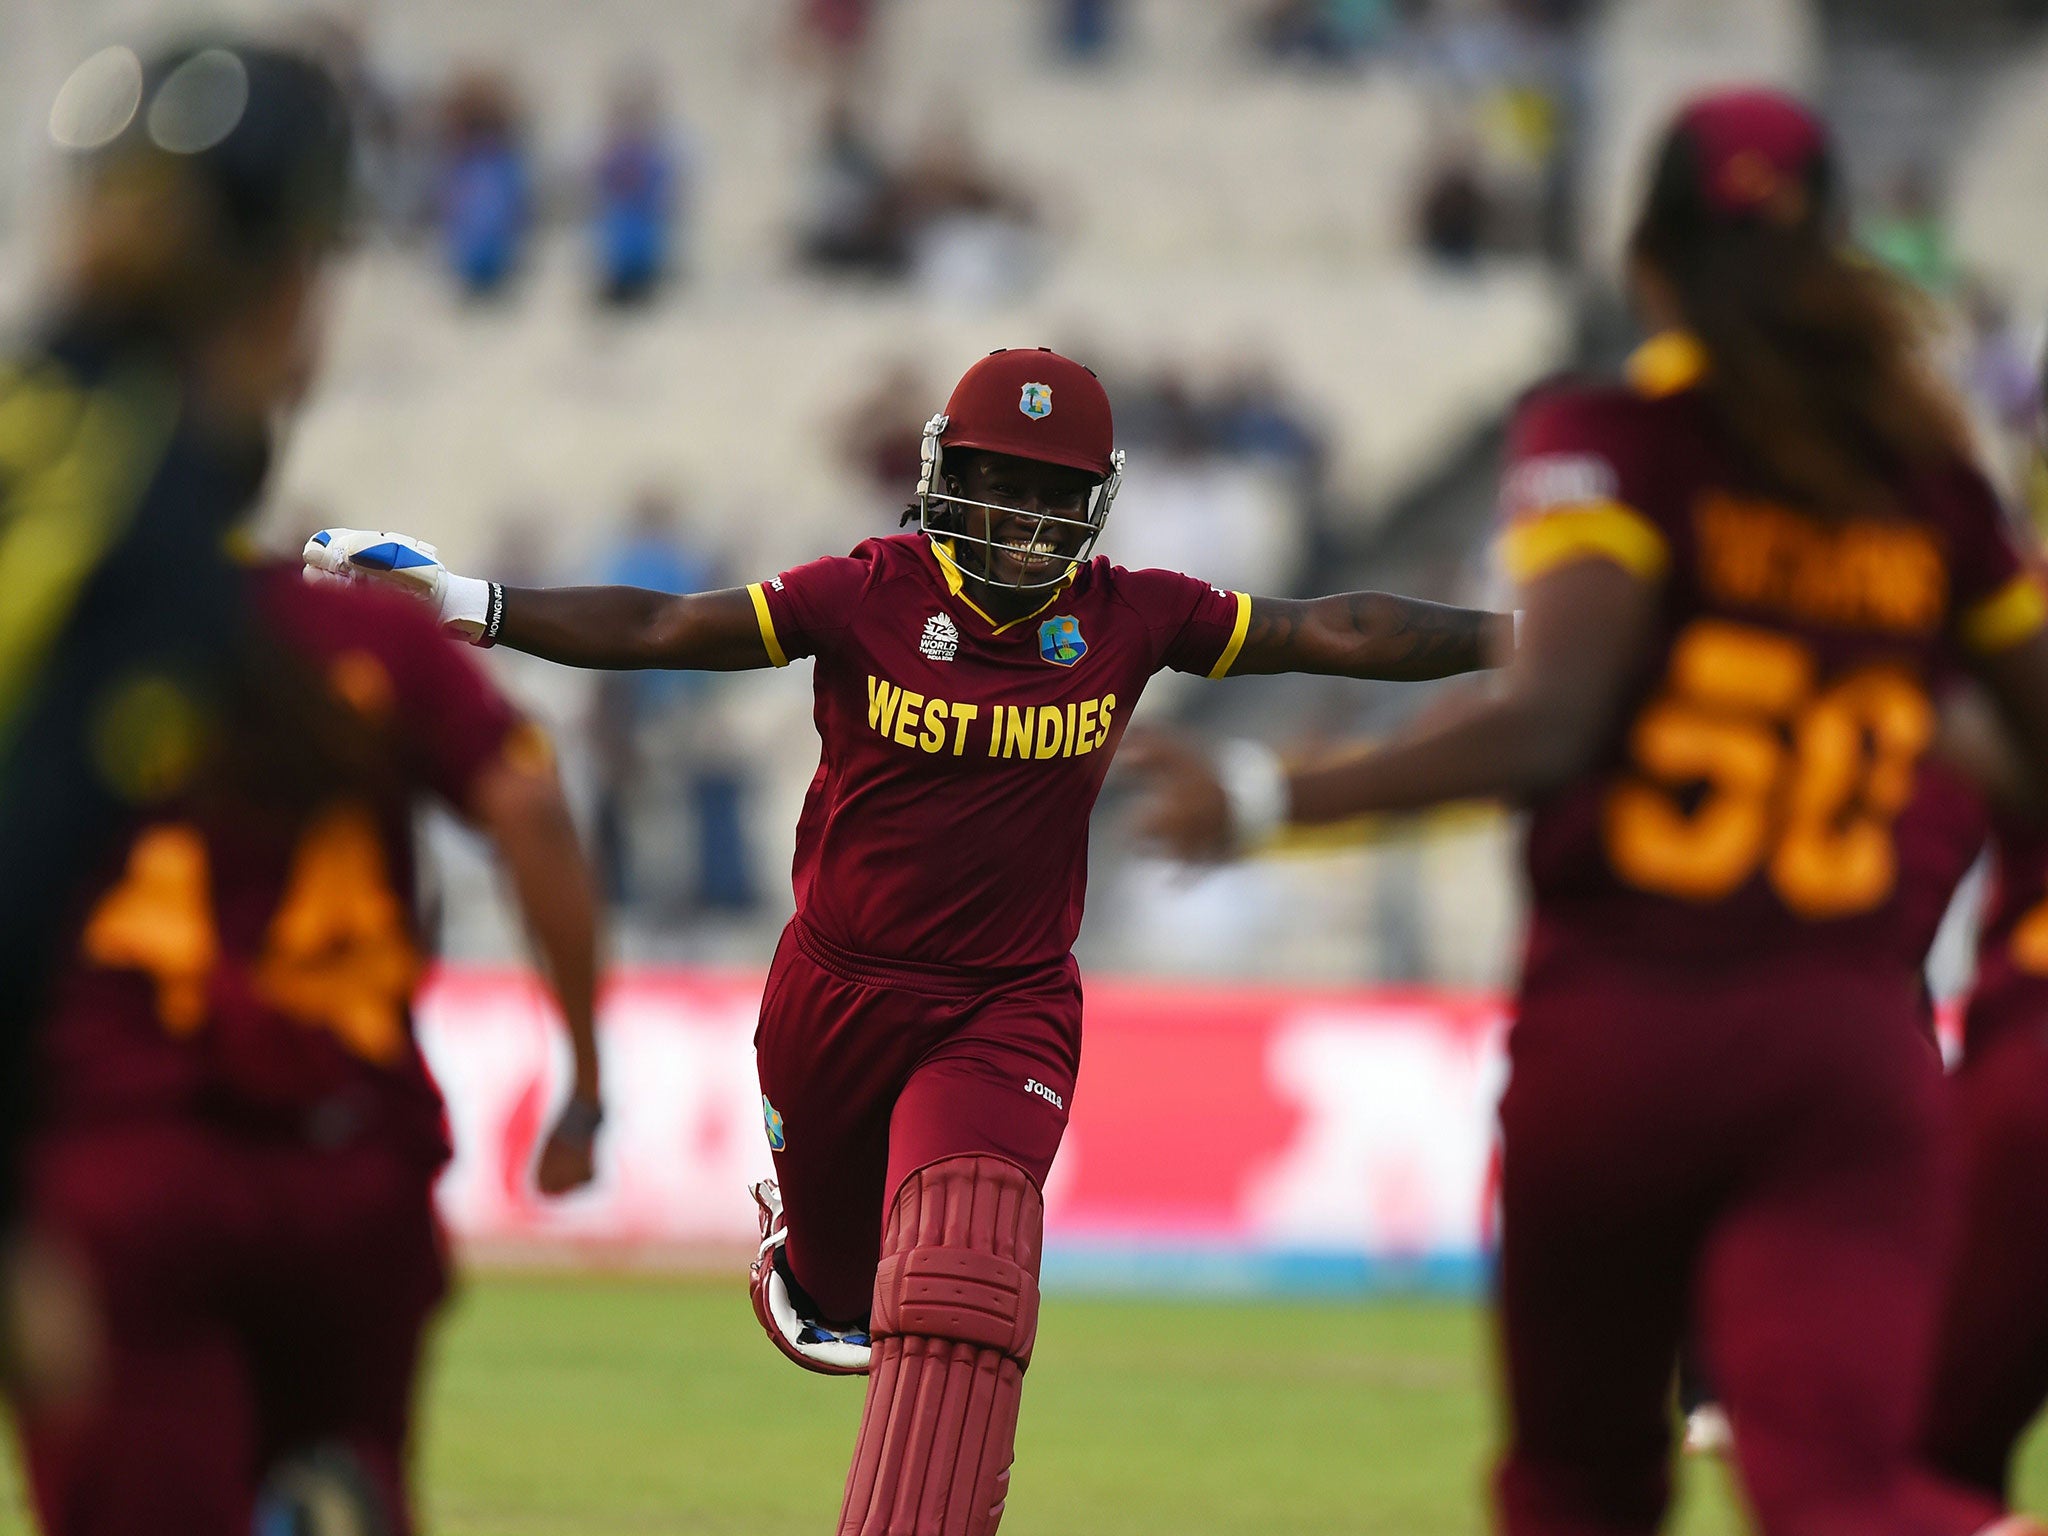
[(486, 197), (642, 188)]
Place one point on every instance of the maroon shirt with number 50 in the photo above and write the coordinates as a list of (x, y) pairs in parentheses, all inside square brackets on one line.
[(948, 821)]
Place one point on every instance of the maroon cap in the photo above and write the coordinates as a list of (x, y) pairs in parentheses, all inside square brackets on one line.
[(1035, 404), (1758, 154)]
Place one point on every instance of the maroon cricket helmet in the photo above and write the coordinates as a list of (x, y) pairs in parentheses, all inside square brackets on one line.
[(1030, 403)]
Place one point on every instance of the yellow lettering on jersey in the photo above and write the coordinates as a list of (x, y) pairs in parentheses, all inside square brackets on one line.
[(1033, 731), (882, 699), (1049, 741), (963, 716), (906, 719), (1859, 574), (1014, 724)]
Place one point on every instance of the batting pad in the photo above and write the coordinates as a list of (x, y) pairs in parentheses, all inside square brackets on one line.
[(955, 1316)]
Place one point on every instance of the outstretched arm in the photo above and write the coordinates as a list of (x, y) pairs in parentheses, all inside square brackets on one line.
[(621, 628), (1515, 737), (1553, 708), (1372, 635), (615, 628)]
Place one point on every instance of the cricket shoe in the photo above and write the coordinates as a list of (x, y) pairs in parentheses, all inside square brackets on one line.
[(811, 1344)]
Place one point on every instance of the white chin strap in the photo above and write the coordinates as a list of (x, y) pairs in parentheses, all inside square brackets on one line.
[(931, 457)]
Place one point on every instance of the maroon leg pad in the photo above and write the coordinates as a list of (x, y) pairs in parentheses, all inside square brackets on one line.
[(955, 1316)]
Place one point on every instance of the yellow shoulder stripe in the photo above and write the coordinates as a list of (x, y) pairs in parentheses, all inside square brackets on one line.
[(2012, 613), (1601, 530), (1237, 634), (1667, 364), (767, 623)]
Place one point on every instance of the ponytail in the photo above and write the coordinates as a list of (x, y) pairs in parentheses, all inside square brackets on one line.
[(1818, 360)]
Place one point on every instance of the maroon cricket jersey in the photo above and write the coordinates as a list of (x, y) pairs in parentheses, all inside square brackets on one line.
[(1745, 807), (259, 968), (948, 821), (1939, 837), (2011, 988)]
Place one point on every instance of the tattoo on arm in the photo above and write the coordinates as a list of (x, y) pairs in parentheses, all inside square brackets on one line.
[(1372, 635)]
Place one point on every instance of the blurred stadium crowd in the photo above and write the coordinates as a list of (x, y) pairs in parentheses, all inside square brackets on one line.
[(672, 314)]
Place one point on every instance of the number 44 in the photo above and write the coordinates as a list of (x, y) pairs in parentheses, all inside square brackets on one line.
[(337, 954)]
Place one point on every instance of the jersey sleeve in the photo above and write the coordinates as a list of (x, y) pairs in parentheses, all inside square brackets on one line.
[(804, 610), (1997, 594), (1572, 493), (1194, 627), (454, 722)]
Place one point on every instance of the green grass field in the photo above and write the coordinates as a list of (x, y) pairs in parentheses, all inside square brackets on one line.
[(571, 1406)]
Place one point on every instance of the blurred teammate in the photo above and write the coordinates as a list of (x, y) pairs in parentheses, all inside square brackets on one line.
[(1741, 570), (237, 1138), (1939, 837), (1991, 1366), (920, 1031), (106, 483)]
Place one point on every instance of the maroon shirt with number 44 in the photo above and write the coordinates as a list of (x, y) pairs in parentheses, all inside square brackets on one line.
[(948, 821), (256, 967)]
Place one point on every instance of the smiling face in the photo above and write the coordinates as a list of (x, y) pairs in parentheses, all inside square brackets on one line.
[(1021, 550)]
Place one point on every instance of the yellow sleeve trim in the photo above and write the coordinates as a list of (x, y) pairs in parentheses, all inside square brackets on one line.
[(1237, 634), (1669, 362), (2012, 613), (1601, 530), (760, 597)]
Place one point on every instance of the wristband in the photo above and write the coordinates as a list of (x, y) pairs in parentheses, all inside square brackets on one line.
[(1518, 628), (494, 619), (1255, 786), (465, 605)]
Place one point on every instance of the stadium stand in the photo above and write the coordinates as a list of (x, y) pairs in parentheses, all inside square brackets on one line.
[(1196, 206), (1189, 209)]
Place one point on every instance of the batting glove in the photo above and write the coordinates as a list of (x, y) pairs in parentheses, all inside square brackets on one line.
[(403, 564)]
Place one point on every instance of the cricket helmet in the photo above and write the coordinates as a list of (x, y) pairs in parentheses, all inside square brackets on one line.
[(1029, 403)]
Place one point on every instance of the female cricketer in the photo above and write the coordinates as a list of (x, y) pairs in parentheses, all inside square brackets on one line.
[(921, 1027), (235, 1137), (1742, 570)]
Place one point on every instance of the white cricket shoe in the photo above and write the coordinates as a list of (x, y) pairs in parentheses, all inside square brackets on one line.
[(811, 1344)]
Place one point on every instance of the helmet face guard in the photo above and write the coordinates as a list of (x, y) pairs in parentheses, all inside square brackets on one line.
[(1047, 528)]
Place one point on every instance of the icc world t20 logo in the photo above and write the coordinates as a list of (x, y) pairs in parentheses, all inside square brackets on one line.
[(1036, 401), (1060, 642), (771, 1117)]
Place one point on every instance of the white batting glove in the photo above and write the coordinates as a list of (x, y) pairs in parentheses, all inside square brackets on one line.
[(403, 564)]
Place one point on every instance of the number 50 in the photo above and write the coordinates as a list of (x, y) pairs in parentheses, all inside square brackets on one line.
[(1799, 782)]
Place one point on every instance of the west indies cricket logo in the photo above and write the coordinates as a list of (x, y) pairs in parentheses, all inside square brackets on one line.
[(771, 1117), (1060, 642)]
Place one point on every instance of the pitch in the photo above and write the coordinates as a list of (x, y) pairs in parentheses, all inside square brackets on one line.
[(605, 1406)]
